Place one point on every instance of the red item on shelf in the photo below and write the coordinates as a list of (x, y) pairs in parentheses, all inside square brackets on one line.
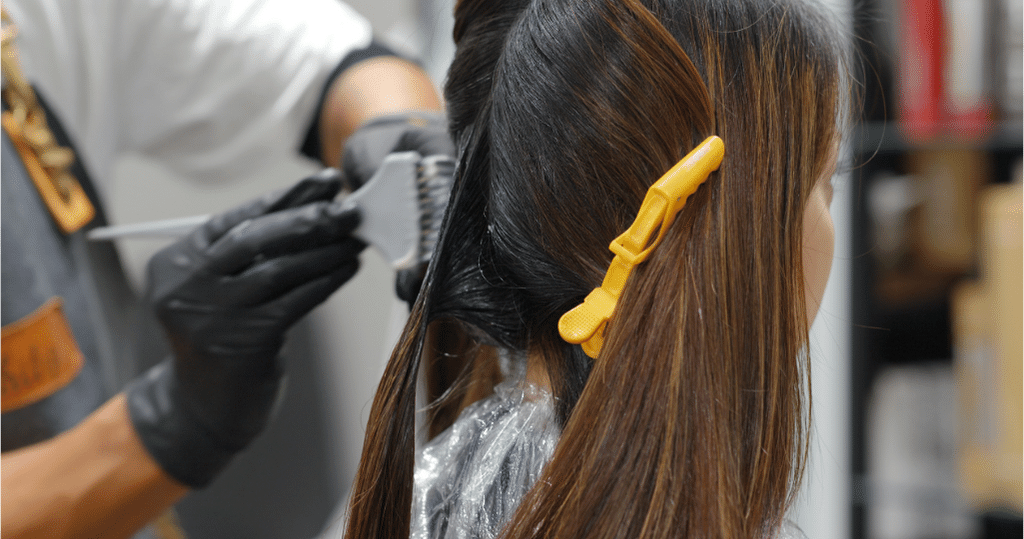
[(920, 81)]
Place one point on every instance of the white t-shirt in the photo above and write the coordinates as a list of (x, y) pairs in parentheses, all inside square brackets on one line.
[(209, 88)]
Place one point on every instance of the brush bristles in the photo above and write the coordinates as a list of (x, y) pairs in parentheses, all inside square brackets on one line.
[(434, 183)]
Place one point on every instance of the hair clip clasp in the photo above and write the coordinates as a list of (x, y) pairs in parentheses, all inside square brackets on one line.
[(585, 323)]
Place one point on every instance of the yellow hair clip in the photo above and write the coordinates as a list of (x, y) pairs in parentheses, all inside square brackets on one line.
[(585, 323)]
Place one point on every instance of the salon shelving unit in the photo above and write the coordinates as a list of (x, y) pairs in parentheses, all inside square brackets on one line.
[(900, 308), (915, 330)]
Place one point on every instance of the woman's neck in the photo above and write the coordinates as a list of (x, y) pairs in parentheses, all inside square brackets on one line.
[(536, 372)]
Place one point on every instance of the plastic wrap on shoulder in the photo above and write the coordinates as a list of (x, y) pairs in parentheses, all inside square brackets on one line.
[(470, 478), (790, 530)]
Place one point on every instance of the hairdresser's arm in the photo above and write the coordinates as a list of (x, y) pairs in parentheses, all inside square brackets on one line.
[(226, 294), (96, 480), (380, 86), (376, 107)]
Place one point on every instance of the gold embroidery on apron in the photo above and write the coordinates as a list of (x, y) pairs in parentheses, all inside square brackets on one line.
[(46, 161)]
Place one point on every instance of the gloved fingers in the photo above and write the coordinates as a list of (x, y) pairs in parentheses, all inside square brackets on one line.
[(362, 157), (221, 223), (418, 119), (273, 278), (425, 132), (432, 139), (426, 145), (288, 231), (322, 186), (408, 282), (299, 301)]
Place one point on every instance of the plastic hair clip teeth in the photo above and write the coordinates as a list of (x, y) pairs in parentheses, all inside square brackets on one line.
[(585, 323)]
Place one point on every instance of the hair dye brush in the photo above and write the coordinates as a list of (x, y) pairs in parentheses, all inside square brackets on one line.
[(401, 206)]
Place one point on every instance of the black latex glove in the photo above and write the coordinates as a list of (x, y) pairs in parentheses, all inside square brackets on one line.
[(425, 132), (226, 294)]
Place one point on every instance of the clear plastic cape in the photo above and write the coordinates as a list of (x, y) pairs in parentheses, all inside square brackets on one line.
[(470, 479)]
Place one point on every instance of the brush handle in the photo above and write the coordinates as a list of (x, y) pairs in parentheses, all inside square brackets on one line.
[(170, 228), (389, 203)]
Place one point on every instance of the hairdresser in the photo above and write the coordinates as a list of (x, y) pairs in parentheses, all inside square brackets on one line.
[(103, 429)]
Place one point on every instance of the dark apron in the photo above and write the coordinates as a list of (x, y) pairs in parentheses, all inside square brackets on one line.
[(38, 262)]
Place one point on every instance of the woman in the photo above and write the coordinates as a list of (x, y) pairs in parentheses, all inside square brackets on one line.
[(691, 421)]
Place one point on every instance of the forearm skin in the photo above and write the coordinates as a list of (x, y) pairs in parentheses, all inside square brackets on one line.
[(374, 87), (96, 480)]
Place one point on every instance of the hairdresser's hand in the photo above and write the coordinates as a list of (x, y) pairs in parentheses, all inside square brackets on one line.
[(226, 294), (425, 132)]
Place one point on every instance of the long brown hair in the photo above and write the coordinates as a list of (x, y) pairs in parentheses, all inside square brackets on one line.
[(692, 422)]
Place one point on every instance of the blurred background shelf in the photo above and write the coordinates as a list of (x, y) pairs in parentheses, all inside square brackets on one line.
[(880, 137), (935, 422)]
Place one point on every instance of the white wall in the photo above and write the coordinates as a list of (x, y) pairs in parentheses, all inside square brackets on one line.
[(823, 507)]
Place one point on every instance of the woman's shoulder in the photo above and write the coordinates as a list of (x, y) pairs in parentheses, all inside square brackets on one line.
[(471, 477)]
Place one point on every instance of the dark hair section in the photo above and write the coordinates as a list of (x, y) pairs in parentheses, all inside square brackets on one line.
[(692, 422)]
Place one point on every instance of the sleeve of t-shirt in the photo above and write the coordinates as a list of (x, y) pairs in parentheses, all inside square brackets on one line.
[(211, 89), (236, 82)]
